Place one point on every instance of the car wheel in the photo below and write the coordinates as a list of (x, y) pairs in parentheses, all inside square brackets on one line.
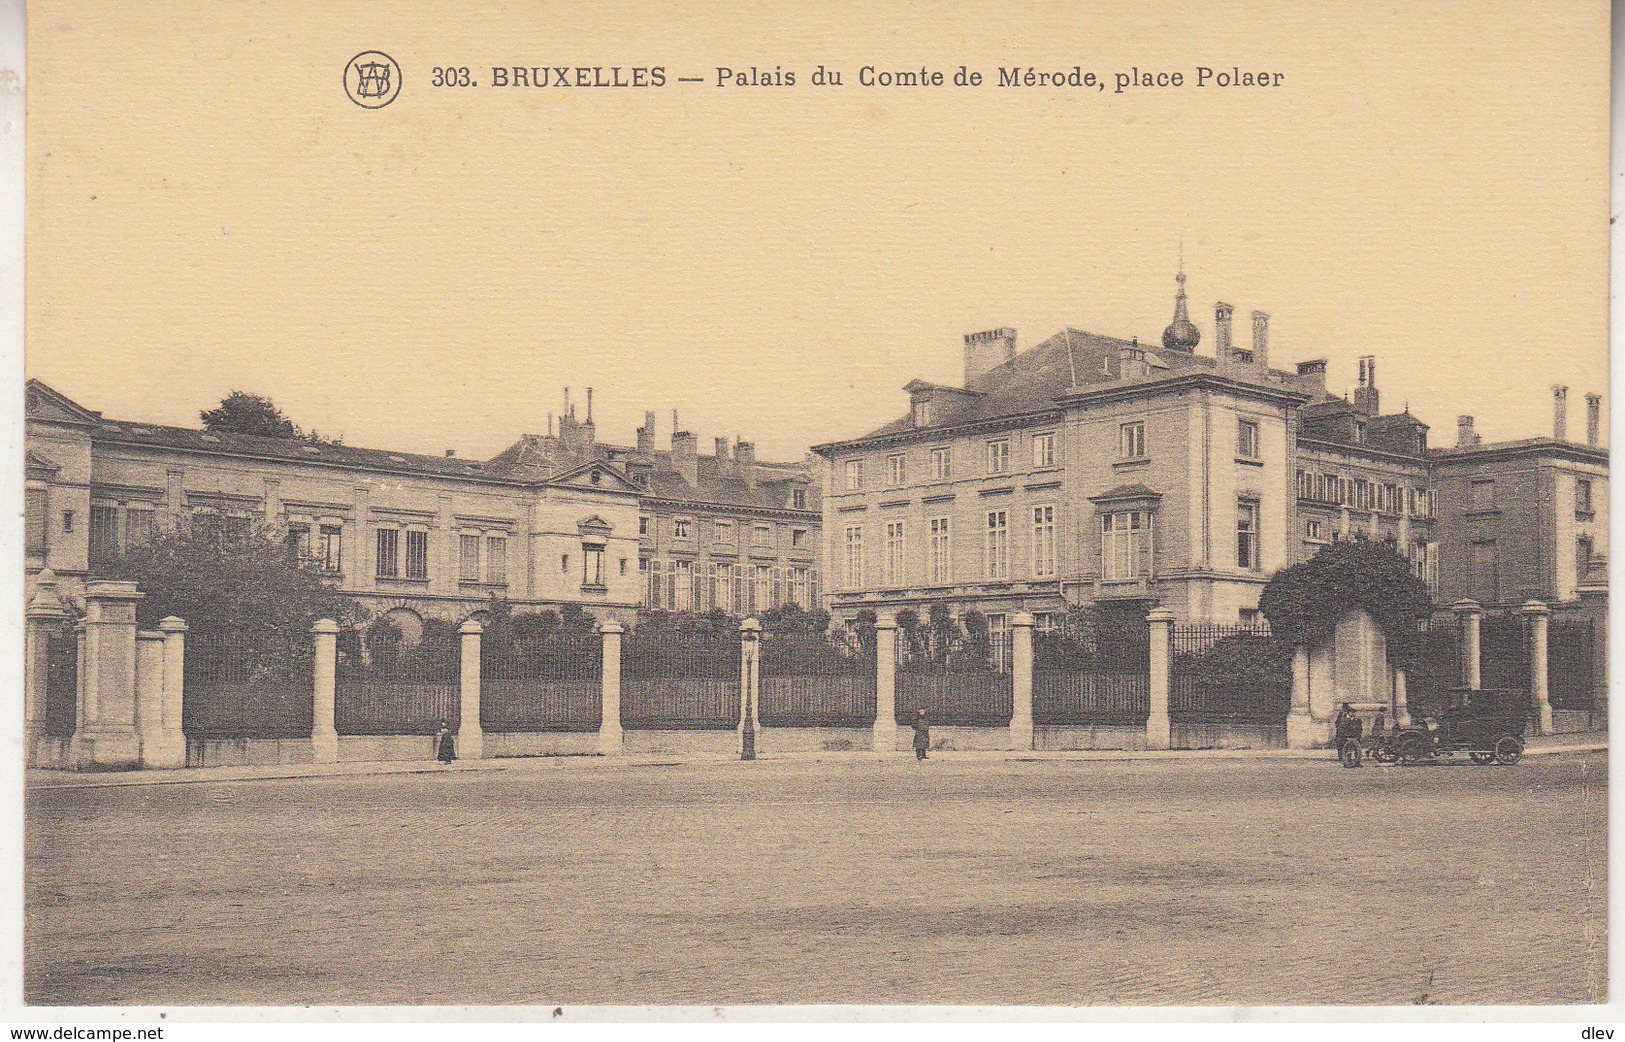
[(1508, 751), (1482, 758), (1384, 753), (1412, 748), (1349, 754)]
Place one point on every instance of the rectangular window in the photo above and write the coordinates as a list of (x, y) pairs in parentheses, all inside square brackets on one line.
[(681, 528), (922, 412), (762, 588), (1246, 535), (761, 535), (896, 469), (854, 556), (1582, 557), (103, 534), (388, 553), (1043, 541), (798, 538), (942, 463), (1131, 440), (682, 584), (998, 635), (468, 569), (799, 586), (298, 543), (722, 593), (139, 524), (1484, 579), (894, 571), (651, 583), (643, 525), (1247, 439), (998, 456), (1482, 496), (723, 532), (941, 570), (417, 554), (798, 499), (1043, 451), (330, 549), (592, 565), (1312, 530), (35, 514), (496, 559), (1582, 496), (1125, 545), (997, 545), (854, 475)]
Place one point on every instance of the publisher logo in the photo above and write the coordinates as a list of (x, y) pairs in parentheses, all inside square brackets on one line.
[(372, 79)]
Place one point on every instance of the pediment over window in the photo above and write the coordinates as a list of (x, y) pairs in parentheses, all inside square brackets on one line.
[(1128, 496), (594, 530), (598, 476)]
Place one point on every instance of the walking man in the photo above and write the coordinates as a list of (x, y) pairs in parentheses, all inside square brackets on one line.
[(922, 735)]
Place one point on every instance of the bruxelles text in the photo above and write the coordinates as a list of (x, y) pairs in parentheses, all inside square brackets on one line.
[(1075, 77)]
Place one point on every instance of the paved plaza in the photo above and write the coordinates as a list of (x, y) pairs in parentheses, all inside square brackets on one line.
[(833, 880)]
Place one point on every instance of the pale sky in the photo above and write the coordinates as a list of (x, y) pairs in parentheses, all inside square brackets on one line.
[(209, 211)]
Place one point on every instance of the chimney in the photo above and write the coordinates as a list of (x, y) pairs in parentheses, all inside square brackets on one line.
[(646, 433), (1594, 420), (1221, 321), (685, 457), (1261, 340), (985, 351), (1313, 373), (451, 453), (1560, 412), (589, 406), (1366, 399), (1466, 438), (721, 451), (745, 455)]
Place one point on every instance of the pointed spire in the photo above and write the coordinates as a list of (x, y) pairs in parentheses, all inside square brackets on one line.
[(1181, 335)]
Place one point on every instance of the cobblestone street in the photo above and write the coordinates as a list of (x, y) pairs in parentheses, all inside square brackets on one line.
[(826, 881)]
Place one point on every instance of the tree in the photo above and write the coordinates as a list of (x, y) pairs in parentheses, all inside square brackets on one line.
[(246, 584), (1303, 603), (242, 413)]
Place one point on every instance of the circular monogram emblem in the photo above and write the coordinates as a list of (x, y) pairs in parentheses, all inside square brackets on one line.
[(372, 79)]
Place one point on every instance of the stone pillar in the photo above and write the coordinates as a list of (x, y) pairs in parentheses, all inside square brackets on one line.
[(324, 736), (1157, 727), (1021, 680), (1540, 618), (750, 636), (106, 733), (1402, 711), (1301, 730), (610, 739), (470, 739), (167, 747), (45, 615), (149, 692), (885, 732), (1468, 614)]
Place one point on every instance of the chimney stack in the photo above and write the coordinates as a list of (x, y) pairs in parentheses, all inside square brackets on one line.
[(1560, 412), (685, 456), (1466, 437), (1366, 399), (589, 406), (646, 433), (1222, 313), (1594, 420), (1261, 340), (721, 451), (985, 351), (1313, 373), (451, 453), (745, 455)]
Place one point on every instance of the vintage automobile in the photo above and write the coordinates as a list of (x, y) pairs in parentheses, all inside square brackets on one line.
[(1487, 725)]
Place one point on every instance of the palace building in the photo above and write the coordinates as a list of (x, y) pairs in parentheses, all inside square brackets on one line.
[(1097, 470)]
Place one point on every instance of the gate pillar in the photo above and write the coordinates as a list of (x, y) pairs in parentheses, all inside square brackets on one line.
[(470, 738), (885, 729), (1540, 618), (1021, 681), (45, 614), (1469, 613), (324, 735), (106, 733), (1158, 729), (1302, 731), (611, 741), (164, 744)]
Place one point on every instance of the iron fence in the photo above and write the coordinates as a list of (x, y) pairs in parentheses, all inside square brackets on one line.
[(394, 688), (680, 680), (1092, 671), (1437, 668), (549, 683), (1503, 651), (816, 680), (61, 681), (1571, 669), (246, 686), (1229, 674), (964, 682)]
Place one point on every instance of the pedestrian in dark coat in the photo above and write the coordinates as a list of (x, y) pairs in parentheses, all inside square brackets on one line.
[(444, 748), (922, 736)]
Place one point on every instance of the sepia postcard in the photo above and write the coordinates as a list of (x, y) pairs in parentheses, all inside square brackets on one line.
[(552, 509)]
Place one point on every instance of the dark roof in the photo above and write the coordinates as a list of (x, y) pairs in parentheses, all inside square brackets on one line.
[(1135, 491)]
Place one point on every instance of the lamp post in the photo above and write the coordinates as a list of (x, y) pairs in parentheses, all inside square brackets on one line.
[(750, 633)]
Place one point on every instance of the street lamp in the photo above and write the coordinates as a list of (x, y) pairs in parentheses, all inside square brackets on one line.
[(750, 632)]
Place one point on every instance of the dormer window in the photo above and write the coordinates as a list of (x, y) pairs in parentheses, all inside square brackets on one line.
[(922, 412)]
